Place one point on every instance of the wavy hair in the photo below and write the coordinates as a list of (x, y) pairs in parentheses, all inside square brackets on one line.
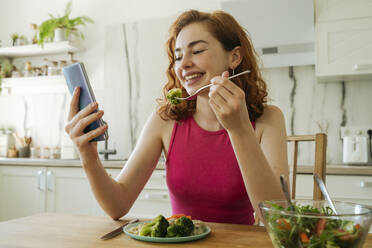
[(230, 34)]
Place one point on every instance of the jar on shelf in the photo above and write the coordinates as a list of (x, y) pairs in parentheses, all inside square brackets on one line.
[(28, 69), (53, 68), (16, 73), (62, 63)]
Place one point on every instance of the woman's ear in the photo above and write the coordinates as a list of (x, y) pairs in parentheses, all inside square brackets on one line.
[(235, 57)]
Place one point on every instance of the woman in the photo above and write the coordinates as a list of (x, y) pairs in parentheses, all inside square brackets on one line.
[(225, 150)]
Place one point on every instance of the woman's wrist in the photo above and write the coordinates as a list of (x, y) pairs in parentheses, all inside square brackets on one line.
[(244, 130)]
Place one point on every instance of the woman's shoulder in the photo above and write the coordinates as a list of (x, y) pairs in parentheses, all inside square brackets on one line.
[(272, 117), (271, 121), (270, 114), (160, 123)]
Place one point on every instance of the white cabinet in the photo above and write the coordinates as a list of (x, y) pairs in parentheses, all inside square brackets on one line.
[(154, 198), (68, 191), (21, 191), (331, 10), (343, 40), (26, 190), (356, 189)]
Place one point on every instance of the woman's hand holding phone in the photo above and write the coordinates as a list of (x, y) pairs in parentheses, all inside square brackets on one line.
[(78, 121)]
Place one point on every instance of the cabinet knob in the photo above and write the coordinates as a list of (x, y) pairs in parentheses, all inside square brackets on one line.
[(365, 184)]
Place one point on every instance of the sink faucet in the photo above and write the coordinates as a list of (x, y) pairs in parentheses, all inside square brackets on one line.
[(106, 152)]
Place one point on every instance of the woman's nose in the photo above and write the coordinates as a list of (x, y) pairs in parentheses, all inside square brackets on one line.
[(185, 62)]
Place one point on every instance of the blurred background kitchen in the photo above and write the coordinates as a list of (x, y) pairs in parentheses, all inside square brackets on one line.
[(316, 59)]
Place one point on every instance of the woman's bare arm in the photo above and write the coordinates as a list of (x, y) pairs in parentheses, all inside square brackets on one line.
[(262, 163), (115, 197)]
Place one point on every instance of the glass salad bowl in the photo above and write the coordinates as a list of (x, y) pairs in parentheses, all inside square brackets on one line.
[(314, 224)]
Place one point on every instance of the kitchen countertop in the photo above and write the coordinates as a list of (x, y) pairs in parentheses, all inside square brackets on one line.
[(112, 164), (67, 230), (346, 170), (351, 170)]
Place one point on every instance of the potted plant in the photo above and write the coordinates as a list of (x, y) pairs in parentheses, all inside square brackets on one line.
[(14, 37), (50, 30), (6, 69)]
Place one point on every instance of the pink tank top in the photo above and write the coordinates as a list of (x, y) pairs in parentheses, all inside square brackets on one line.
[(203, 176)]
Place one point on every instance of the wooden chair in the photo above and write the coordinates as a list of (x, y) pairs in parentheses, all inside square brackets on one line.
[(320, 140)]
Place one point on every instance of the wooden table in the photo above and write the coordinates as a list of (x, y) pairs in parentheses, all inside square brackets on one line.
[(64, 230)]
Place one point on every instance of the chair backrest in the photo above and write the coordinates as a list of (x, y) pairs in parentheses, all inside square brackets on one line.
[(320, 140)]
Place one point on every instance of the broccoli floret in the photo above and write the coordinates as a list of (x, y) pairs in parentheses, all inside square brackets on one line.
[(156, 228), (181, 227), (175, 231), (146, 229), (172, 94), (186, 224)]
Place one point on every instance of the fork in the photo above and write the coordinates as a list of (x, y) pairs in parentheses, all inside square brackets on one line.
[(207, 86)]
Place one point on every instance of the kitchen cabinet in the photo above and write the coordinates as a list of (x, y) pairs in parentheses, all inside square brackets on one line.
[(356, 189), (330, 10), (68, 191), (343, 40), (21, 191), (154, 198), (28, 190)]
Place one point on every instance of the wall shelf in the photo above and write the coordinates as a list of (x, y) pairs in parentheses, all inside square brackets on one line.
[(34, 85), (36, 50)]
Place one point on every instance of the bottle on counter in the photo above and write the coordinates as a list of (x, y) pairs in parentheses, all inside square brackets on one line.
[(6, 141), (45, 153), (56, 153), (35, 152)]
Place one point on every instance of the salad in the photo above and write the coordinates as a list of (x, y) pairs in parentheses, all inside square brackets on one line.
[(173, 94), (291, 230)]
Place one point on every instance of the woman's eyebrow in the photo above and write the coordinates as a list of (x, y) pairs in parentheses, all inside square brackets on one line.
[(192, 43)]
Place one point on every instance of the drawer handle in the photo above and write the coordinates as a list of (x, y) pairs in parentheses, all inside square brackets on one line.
[(40, 180), (364, 66), (149, 196), (364, 184), (162, 176)]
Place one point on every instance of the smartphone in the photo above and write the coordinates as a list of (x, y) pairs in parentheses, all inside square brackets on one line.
[(76, 76)]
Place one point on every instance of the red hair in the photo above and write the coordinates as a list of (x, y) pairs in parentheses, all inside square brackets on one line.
[(230, 34)]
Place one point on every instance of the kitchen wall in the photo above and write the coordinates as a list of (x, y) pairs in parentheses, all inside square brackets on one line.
[(126, 64)]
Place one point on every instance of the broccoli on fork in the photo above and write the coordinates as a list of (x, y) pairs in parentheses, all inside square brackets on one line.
[(173, 96), (156, 228)]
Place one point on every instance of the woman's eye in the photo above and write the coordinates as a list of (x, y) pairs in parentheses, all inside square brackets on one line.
[(198, 51), (178, 58)]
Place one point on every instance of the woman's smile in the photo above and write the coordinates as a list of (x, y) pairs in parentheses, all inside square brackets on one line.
[(193, 78)]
